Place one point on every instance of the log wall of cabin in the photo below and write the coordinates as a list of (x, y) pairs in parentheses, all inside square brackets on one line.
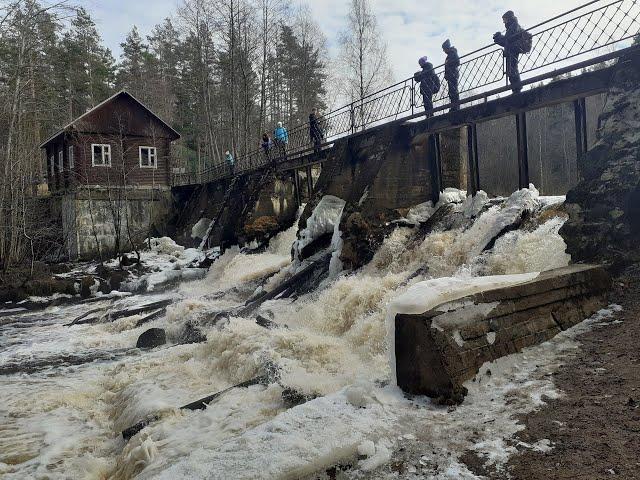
[(125, 169)]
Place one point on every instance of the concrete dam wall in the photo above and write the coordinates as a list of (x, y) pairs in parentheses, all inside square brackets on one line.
[(385, 170)]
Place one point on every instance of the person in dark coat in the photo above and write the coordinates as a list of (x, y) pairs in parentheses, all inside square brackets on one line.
[(452, 73), (429, 84), (315, 131), (266, 144), (509, 41)]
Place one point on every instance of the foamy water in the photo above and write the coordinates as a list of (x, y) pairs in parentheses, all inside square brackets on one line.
[(65, 422)]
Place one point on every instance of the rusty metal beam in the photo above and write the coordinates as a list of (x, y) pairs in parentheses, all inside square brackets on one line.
[(580, 114), (435, 167), (473, 172), (523, 150), (309, 182), (296, 187)]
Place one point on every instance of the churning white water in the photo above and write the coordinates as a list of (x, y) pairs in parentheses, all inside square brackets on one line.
[(64, 421)]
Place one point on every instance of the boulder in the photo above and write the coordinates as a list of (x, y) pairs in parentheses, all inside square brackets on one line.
[(86, 284), (265, 322), (191, 334), (152, 338), (261, 228), (363, 233), (111, 279), (47, 286)]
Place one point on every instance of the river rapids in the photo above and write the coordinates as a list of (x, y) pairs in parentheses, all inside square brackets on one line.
[(67, 392)]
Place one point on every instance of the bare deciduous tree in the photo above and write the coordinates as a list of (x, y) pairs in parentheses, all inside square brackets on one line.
[(363, 53)]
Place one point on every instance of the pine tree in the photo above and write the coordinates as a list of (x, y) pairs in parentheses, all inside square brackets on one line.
[(135, 64), (88, 66), (165, 48)]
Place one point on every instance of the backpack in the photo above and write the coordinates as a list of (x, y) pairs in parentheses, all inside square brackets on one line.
[(525, 42)]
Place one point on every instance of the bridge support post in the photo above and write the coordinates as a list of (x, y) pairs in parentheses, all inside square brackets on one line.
[(309, 182), (473, 175), (523, 151), (296, 187), (435, 167), (580, 114)]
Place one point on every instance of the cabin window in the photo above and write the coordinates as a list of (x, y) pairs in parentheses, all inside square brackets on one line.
[(148, 157), (100, 155), (61, 161), (52, 165), (70, 157)]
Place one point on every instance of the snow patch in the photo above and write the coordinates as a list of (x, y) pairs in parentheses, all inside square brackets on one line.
[(323, 220), (199, 230)]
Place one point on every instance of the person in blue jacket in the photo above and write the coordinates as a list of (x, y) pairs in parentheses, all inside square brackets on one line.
[(281, 138), (230, 160)]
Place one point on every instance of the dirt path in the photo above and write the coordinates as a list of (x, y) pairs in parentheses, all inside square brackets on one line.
[(595, 427)]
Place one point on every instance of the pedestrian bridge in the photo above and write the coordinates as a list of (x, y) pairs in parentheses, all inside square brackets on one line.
[(386, 151), (571, 43)]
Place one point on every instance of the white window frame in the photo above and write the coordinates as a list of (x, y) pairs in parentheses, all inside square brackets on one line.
[(61, 160), (152, 154), (70, 154), (52, 161), (106, 155)]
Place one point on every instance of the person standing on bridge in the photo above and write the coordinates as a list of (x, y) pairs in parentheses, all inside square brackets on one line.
[(315, 131), (429, 84), (281, 139), (515, 41), (266, 145), (230, 161), (452, 73)]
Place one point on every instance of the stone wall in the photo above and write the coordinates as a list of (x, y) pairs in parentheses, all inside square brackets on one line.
[(437, 351), (88, 219), (604, 208)]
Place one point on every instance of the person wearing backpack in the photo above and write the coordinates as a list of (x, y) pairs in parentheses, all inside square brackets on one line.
[(452, 73), (429, 84), (515, 41)]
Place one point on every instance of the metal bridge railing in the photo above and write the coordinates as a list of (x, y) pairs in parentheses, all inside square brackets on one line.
[(560, 41)]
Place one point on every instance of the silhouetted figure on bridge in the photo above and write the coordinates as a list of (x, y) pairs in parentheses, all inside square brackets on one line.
[(515, 41), (452, 73), (315, 131), (429, 84)]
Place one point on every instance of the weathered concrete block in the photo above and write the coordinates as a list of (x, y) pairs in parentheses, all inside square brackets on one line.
[(438, 350)]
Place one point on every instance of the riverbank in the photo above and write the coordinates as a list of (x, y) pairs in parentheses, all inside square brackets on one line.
[(593, 429)]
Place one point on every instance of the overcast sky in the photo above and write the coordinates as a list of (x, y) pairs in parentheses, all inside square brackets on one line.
[(411, 28)]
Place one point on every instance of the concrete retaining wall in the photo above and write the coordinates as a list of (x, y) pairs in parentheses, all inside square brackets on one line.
[(89, 218), (437, 351)]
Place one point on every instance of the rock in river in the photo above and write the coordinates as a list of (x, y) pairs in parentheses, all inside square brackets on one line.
[(154, 337)]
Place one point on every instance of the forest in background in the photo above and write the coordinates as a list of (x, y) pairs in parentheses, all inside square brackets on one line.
[(221, 72)]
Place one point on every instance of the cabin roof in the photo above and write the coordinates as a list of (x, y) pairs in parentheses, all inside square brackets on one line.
[(121, 93)]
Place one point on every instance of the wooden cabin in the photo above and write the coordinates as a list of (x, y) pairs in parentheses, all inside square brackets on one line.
[(118, 143)]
